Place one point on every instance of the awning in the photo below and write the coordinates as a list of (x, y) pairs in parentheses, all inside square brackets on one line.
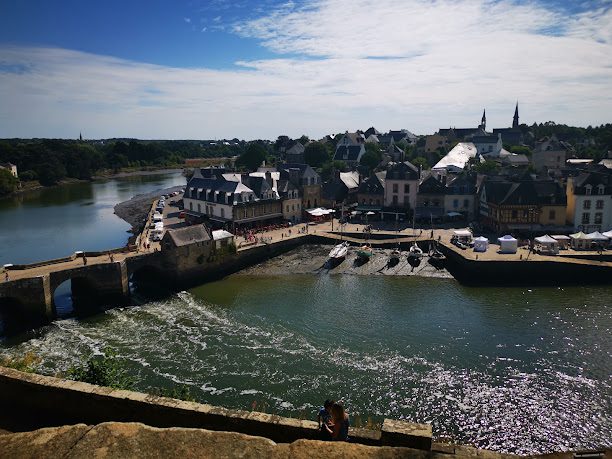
[(579, 235), (454, 214), (560, 237), (596, 236), (546, 240), (462, 233), (507, 237)]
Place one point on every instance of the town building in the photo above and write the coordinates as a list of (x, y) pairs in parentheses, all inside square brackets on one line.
[(457, 159), (295, 153), (460, 195), (435, 142), (371, 193), (430, 199), (225, 201), (285, 190), (10, 167), (340, 189), (589, 200), (549, 155), (401, 188), (523, 205), (350, 148), (188, 246), (307, 181)]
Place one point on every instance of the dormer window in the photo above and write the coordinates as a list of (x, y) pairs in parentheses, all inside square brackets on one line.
[(588, 189), (600, 189)]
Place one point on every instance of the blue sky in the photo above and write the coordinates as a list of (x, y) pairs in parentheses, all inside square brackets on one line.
[(258, 69)]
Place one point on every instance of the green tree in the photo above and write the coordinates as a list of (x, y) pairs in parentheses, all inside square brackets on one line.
[(486, 167), (316, 154), (329, 167), (102, 370), (372, 157), (520, 150), (420, 161), (252, 158), (8, 183)]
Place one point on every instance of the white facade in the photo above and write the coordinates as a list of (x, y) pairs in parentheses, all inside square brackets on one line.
[(591, 211)]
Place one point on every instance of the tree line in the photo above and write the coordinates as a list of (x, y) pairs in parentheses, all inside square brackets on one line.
[(50, 161)]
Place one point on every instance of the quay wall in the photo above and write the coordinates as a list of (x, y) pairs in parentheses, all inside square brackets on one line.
[(36, 401), (525, 272)]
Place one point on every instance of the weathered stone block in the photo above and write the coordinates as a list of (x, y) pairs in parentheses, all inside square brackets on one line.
[(401, 433)]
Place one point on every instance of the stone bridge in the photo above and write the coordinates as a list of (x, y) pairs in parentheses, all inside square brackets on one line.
[(29, 301)]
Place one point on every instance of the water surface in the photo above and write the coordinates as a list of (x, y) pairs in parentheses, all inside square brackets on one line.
[(520, 370)]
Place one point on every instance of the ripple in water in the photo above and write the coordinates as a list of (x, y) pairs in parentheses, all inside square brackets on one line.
[(474, 365)]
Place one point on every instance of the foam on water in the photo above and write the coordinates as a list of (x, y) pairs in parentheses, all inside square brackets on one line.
[(495, 389)]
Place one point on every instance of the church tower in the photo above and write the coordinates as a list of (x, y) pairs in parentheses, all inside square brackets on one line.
[(515, 120), (483, 121)]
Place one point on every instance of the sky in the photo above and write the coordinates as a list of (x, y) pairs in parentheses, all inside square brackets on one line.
[(257, 69)]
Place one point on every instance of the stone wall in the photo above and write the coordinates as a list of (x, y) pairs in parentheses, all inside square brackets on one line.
[(37, 401)]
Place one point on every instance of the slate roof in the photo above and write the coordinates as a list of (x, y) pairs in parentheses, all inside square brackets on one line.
[(594, 179), (348, 152), (374, 184), (371, 131), (431, 185), (188, 235), (220, 184), (403, 171), (524, 193), (462, 184), (460, 132), (480, 139)]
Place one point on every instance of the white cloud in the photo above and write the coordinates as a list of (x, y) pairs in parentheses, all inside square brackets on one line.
[(437, 65), (187, 20)]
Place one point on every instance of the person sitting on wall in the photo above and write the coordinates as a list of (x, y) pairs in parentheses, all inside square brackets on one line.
[(325, 420), (339, 429)]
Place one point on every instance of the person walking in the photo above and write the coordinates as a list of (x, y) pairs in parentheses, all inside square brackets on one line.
[(6, 276)]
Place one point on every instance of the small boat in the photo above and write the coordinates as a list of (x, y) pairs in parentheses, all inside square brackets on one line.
[(339, 251), (395, 255), (415, 252), (365, 252)]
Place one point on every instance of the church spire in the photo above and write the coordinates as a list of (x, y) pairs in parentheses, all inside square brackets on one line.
[(483, 122), (515, 120)]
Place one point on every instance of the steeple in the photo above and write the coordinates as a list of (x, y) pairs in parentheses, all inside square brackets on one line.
[(483, 122), (515, 120), (80, 136)]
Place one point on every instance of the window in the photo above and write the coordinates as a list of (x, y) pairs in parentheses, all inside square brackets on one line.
[(293, 207), (222, 212), (407, 188), (586, 218), (598, 218), (466, 203), (199, 208), (287, 207), (587, 189), (395, 188), (552, 214), (515, 214), (586, 205), (525, 213), (599, 204), (378, 202), (456, 204), (191, 206), (363, 201), (406, 199), (395, 200), (600, 189)]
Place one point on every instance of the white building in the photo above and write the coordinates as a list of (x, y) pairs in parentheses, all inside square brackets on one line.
[(589, 201)]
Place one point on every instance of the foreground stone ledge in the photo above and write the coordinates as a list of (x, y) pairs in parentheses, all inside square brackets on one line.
[(401, 433), (126, 440)]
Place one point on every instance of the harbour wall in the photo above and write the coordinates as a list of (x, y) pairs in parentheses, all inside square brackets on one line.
[(36, 401)]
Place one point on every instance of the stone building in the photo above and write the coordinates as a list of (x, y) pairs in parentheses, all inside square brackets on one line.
[(401, 188), (589, 200)]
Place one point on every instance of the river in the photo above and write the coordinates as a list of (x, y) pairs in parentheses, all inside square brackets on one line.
[(55, 222), (510, 369)]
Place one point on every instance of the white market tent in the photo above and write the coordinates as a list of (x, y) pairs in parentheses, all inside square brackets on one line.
[(481, 244), (547, 244), (507, 244), (221, 234), (320, 211), (597, 240), (579, 240), (562, 240), (608, 234)]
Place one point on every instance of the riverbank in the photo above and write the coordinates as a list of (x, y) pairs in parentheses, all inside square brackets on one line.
[(135, 210), (314, 259), (134, 173)]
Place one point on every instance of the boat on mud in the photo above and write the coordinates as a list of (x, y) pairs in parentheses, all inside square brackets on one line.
[(339, 251), (415, 252), (365, 252)]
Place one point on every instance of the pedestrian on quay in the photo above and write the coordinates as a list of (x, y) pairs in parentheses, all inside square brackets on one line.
[(84, 260), (6, 276)]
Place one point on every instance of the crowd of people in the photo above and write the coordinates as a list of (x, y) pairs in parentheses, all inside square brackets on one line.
[(333, 422)]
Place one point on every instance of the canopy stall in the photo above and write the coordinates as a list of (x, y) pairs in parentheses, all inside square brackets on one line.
[(319, 213), (579, 241), (507, 244), (563, 241), (547, 245), (481, 244), (608, 234), (464, 236), (597, 240)]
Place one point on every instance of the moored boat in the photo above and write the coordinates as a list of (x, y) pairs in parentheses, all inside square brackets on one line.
[(339, 251), (394, 256), (365, 252), (415, 252)]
